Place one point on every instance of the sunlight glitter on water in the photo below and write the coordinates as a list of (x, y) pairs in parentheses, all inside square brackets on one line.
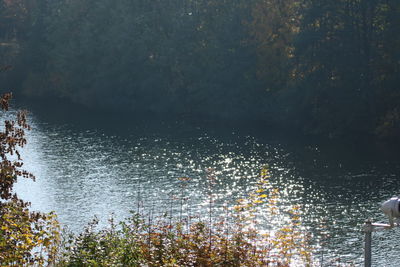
[(86, 172)]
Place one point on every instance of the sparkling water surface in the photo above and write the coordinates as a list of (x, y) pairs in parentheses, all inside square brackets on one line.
[(109, 167)]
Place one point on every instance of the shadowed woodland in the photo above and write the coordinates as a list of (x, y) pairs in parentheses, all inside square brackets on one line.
[(329, 68)]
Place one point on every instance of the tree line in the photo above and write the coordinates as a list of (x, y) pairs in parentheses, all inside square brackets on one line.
[(325, 67)]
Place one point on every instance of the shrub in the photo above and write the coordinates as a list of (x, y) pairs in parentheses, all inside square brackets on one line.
[(140, 242), (26, 238)]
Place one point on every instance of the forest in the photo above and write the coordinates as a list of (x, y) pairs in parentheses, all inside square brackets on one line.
[(328, 68)]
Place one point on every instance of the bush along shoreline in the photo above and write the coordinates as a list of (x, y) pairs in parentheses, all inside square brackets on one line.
[(237, 238), (26, 238)]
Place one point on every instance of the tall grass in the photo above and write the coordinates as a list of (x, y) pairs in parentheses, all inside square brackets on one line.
[(235, 239)]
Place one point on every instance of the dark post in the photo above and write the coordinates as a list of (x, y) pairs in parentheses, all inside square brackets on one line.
[(368, 243)]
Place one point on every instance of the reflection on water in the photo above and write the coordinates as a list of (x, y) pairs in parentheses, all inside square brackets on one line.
[(87, 171)]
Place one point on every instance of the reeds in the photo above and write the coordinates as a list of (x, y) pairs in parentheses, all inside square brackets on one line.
[(235, 238)]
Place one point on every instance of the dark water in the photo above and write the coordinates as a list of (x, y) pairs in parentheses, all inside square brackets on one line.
[(102, 165)]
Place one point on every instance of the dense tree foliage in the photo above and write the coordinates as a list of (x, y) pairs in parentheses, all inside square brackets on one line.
[(327, 67), (26, 237), (346, 63), (177, 56)]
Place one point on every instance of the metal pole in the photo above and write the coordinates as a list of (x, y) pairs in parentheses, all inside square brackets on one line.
[(368, 243)]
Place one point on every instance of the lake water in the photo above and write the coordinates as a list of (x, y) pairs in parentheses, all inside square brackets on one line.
[(102, 165)]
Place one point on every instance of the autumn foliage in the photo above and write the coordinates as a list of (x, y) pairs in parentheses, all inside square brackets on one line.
[(26, 237), (236, 239)]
